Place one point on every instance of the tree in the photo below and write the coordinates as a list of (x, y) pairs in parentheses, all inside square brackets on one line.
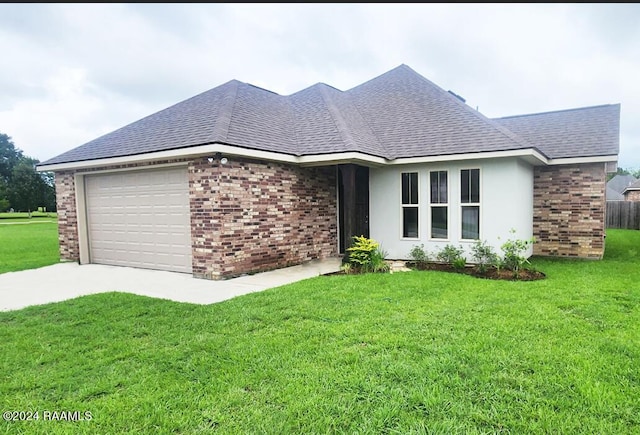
[(26, 186), (21, 186), (4, 195), (9, 157)]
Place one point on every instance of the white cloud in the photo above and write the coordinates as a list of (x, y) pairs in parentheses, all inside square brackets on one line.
[(76, 71)]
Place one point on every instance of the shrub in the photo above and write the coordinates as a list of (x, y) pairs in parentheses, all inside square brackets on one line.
[(378, 263), (419, 256), (367, 256), (514, 249), (484, 255), (459, 263), (450, 254)]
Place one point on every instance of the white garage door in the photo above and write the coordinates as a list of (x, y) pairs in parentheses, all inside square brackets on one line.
[(140, 219)]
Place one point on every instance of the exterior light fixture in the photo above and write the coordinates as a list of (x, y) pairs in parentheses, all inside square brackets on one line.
[(218, 157)]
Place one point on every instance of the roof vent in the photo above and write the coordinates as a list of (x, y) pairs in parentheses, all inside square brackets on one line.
[(457, 96)]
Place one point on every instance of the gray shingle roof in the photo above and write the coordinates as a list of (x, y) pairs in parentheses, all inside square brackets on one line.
[(613, 195), (583, 132), (397, 114), (620, 182), (633, 186)]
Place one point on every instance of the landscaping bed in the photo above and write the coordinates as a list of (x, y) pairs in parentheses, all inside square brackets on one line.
[(490, 273), (472, 270), (366, 256)]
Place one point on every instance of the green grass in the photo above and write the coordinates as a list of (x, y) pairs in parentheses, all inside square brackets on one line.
[(28, 243), (404, 353), (25, 215)]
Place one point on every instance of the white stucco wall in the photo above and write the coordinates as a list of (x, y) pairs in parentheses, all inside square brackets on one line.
[(506, 202)]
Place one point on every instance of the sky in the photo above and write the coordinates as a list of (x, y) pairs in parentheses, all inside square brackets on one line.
[(74, 72)]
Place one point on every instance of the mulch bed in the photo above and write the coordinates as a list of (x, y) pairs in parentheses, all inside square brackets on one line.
[(490, 273)]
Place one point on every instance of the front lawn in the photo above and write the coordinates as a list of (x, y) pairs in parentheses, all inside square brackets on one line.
[(28, 243), (412, 352)]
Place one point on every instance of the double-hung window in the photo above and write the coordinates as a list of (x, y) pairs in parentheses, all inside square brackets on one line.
[(470, 203), (410, 205), (439, 200)]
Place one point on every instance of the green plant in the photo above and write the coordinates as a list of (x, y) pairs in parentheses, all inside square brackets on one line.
[(378, 263), (450, 254), (484, 255), (513, 253), (366, 255), (419, 256), (346, 268), (459, 263)]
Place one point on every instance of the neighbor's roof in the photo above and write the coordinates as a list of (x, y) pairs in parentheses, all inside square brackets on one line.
[(613, 195), (397, 114), (634, 186), (620, 182)]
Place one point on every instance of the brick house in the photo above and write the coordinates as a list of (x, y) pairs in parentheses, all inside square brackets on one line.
[(239, 179), (632, 192)]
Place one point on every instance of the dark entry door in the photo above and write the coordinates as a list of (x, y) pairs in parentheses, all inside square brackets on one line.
[(353, 197)]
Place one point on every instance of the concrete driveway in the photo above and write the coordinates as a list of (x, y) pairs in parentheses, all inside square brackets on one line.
[(69, 280)]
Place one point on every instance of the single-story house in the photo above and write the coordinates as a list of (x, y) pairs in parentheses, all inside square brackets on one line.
[(617, 185), (239, 179), (632, 191)]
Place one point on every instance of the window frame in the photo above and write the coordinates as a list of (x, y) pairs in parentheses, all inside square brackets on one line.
[(470, 203), (445, 205), (409, 205)]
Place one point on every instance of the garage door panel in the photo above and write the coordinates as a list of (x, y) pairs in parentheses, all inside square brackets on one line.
[(140, 219)]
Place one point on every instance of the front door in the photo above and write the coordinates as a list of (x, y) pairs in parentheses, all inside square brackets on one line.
[(353, 199)]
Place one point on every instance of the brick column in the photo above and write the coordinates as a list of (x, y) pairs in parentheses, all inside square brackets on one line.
[(67, 216), (569, 210)]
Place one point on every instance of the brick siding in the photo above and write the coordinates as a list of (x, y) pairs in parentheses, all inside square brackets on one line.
[(569, 210), (632, 195), (246, 216), (249, 216), (67, 216)]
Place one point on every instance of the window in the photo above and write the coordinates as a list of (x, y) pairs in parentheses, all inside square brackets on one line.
[(470, 200), (410, 204), (439, 205)]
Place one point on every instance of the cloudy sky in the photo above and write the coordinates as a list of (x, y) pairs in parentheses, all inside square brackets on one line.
[(73, 72)]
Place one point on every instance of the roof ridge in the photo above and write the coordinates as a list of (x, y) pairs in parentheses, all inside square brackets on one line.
[(222, 123), (338, 117), (505, 131)]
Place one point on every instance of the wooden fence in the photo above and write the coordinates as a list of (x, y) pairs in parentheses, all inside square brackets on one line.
[(623, 214)]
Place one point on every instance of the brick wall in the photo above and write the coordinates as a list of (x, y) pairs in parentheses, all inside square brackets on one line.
[(246, 216), (67, 216), (569, 210), (632, 195), (249, 216)]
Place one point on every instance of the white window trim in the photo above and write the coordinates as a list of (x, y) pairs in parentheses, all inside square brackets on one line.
[(431, 205), (403, 206), (470, 204)]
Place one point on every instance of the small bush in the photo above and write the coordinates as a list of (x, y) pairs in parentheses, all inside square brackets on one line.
[(484, 256), (459, 263), (419, 256), (450, 254), (513, 258), (378, 263), (367, 256)]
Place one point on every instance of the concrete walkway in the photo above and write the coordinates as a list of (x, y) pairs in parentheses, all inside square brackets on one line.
[(69, 280)]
